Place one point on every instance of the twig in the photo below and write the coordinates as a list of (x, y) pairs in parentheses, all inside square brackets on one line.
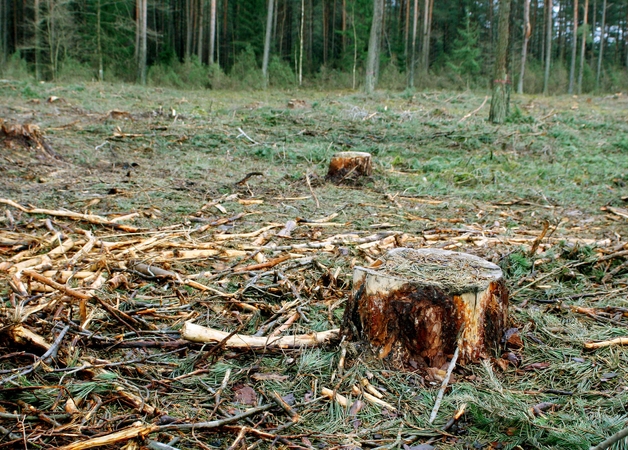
[(602, 344), (466, 116), (242, 133), (611, 440), (441, 392), (58, 286), (309, 185)]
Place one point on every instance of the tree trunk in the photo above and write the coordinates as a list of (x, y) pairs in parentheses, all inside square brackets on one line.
[(548, 47), (593, 30), (527, 31), (427, 28), (501, 86), (212, 31), (37, 41), (189, 26), (142, 22), (269, 31), (301, 38), (101, 73), (349, 167), (416, 306), (201, 23), (574, 48), (583, 46), (601, 52), (4, 33), (412, 57), (372, 59)]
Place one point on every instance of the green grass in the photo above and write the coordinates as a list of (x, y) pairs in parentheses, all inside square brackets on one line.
[(558, 159)]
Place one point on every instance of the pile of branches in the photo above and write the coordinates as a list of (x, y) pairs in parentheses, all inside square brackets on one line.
[(100, 319)]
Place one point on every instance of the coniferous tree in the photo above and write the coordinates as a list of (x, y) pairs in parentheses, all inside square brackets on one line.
[(372, 61), (465, 54)]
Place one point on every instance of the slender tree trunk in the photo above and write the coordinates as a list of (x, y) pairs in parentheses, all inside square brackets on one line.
[(412, 56), (189, 28), (201, 23), (269, 31), (427, 31), (601, 52), (301, 38), (4, 33), (548, 47), (372, 59), (499, 100), (212, 31), (142, 22), (593, 31), (574, 48), (355, 48), (527, 31), (325, 27), (406, 30), (344, 26), (101, 72), (37, 40), (583, 45)]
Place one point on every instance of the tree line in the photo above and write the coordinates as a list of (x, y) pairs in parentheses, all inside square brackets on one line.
[(553, 46)]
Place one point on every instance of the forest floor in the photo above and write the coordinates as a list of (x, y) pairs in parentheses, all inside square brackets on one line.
[(134, 210)]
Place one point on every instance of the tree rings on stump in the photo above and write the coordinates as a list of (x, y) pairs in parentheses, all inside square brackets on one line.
[(348, 167), (418, 305)]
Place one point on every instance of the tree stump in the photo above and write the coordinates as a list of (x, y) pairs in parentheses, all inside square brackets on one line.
[(349, 166), (420, 304)]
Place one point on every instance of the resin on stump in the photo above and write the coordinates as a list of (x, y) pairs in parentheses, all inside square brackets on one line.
[(420, 304), (347, 167)]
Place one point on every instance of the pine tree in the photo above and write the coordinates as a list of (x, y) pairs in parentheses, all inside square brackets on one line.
[(466, 53)]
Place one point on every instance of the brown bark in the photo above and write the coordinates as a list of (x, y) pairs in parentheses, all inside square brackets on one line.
[(418, 305), (501, 81), (349, 166)]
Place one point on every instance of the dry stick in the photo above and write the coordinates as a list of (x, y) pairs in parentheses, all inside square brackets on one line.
[(466, 116), (242, 133), (54, 348), (238, 438), (615, 271), (307, 178), (602, 344), (58, 286), (611, 440), (90, 218), (441, 392), (539, 238), (265, 265)]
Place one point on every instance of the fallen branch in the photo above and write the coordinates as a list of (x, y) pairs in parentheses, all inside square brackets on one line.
[(602, 344), (90, 218), (57, 286), (611, 440), (441, 392), (198, 333), (466, 116)]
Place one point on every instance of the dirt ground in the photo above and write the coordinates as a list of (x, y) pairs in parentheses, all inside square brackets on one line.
[(129, 211)]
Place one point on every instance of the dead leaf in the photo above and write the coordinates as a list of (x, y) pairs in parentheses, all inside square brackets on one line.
[(356, 407), (535, 366), (512, 338), (539, 409), (245, 395)]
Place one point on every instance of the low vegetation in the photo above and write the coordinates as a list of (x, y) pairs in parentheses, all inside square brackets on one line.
[(542, 196)]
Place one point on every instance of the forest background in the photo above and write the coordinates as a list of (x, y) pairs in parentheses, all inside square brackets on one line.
[(580, 46)]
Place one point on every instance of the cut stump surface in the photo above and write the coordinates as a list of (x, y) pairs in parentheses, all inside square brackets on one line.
[(349, 166), (420, 304)]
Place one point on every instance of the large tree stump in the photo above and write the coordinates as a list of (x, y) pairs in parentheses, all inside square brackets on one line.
[(349, 166), (420, 304)]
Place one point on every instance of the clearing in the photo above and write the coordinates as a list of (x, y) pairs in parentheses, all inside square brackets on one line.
[(153, 207)]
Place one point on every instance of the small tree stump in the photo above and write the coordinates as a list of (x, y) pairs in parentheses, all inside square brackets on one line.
[(348, 166), (422, 303)]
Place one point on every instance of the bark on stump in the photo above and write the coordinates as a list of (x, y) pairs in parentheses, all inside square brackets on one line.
[(417, 305), (349, 166)]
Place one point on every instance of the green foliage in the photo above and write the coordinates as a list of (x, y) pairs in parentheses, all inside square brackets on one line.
[(216, 77), (465, 58), (16, 68), (245, 72), (72, 70), (391, 77), (280, 74)]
